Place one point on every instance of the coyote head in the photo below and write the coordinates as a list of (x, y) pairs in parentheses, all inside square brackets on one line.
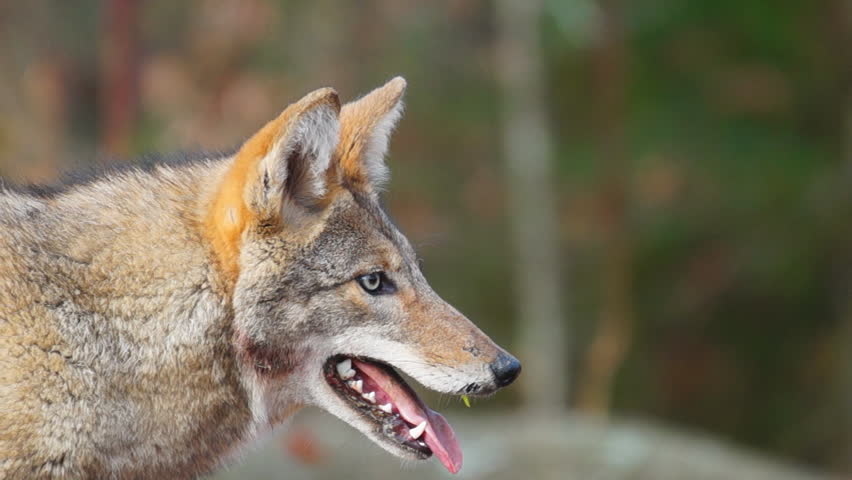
[(328, 297)]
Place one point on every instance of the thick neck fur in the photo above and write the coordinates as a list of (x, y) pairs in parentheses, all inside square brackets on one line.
[(110, 285)]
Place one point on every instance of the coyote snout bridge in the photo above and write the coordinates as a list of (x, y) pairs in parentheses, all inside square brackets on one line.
[(154, 320)]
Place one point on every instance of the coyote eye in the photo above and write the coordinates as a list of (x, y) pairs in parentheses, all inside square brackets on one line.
[(376, 283)]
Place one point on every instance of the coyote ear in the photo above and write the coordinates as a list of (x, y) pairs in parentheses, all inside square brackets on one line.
[(366, 125), (293, 153), (279, 171)]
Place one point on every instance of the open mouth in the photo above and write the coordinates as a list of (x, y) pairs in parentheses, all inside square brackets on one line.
[(381, 396)]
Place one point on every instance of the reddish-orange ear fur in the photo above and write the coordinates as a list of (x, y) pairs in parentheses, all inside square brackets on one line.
[(365, 125), (229, 213)]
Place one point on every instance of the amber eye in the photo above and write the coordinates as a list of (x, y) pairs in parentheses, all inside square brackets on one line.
[(376, 283)]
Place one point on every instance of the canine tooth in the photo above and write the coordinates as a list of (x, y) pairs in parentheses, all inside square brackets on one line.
[(387, 408), (356, 385), (370, 397), (344, 369), (418, 430)]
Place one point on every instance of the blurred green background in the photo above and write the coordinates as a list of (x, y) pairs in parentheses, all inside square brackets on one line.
[(695, 160)]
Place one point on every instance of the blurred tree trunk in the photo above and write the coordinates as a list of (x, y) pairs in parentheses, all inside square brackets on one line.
[(612, 339), (528, 151), (839, 17), (119, 75)]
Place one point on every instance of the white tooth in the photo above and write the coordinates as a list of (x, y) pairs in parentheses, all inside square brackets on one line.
[(370, 397), (386, 407), (356, 385), (349, 374), (418, 430), (344, 367)]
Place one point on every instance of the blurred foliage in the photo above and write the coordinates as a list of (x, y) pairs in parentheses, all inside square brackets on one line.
[(739, 184)]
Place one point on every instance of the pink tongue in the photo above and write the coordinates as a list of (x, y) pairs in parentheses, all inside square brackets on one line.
[(439, 436), (442, 440)]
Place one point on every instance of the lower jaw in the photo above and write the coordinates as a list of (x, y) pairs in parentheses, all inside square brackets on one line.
[(391, 427)]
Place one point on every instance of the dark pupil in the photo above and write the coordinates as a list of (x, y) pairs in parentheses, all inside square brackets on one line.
[(372, 281)]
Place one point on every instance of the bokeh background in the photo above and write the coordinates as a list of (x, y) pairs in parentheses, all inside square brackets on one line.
[(648, 201)]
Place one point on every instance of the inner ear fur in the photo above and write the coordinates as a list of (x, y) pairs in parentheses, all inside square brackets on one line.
[(295, 155)]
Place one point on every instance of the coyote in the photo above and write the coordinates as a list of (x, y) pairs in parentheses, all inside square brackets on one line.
[(155, 320)]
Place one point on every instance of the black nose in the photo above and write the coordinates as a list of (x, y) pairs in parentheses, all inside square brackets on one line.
[(506, 369)]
